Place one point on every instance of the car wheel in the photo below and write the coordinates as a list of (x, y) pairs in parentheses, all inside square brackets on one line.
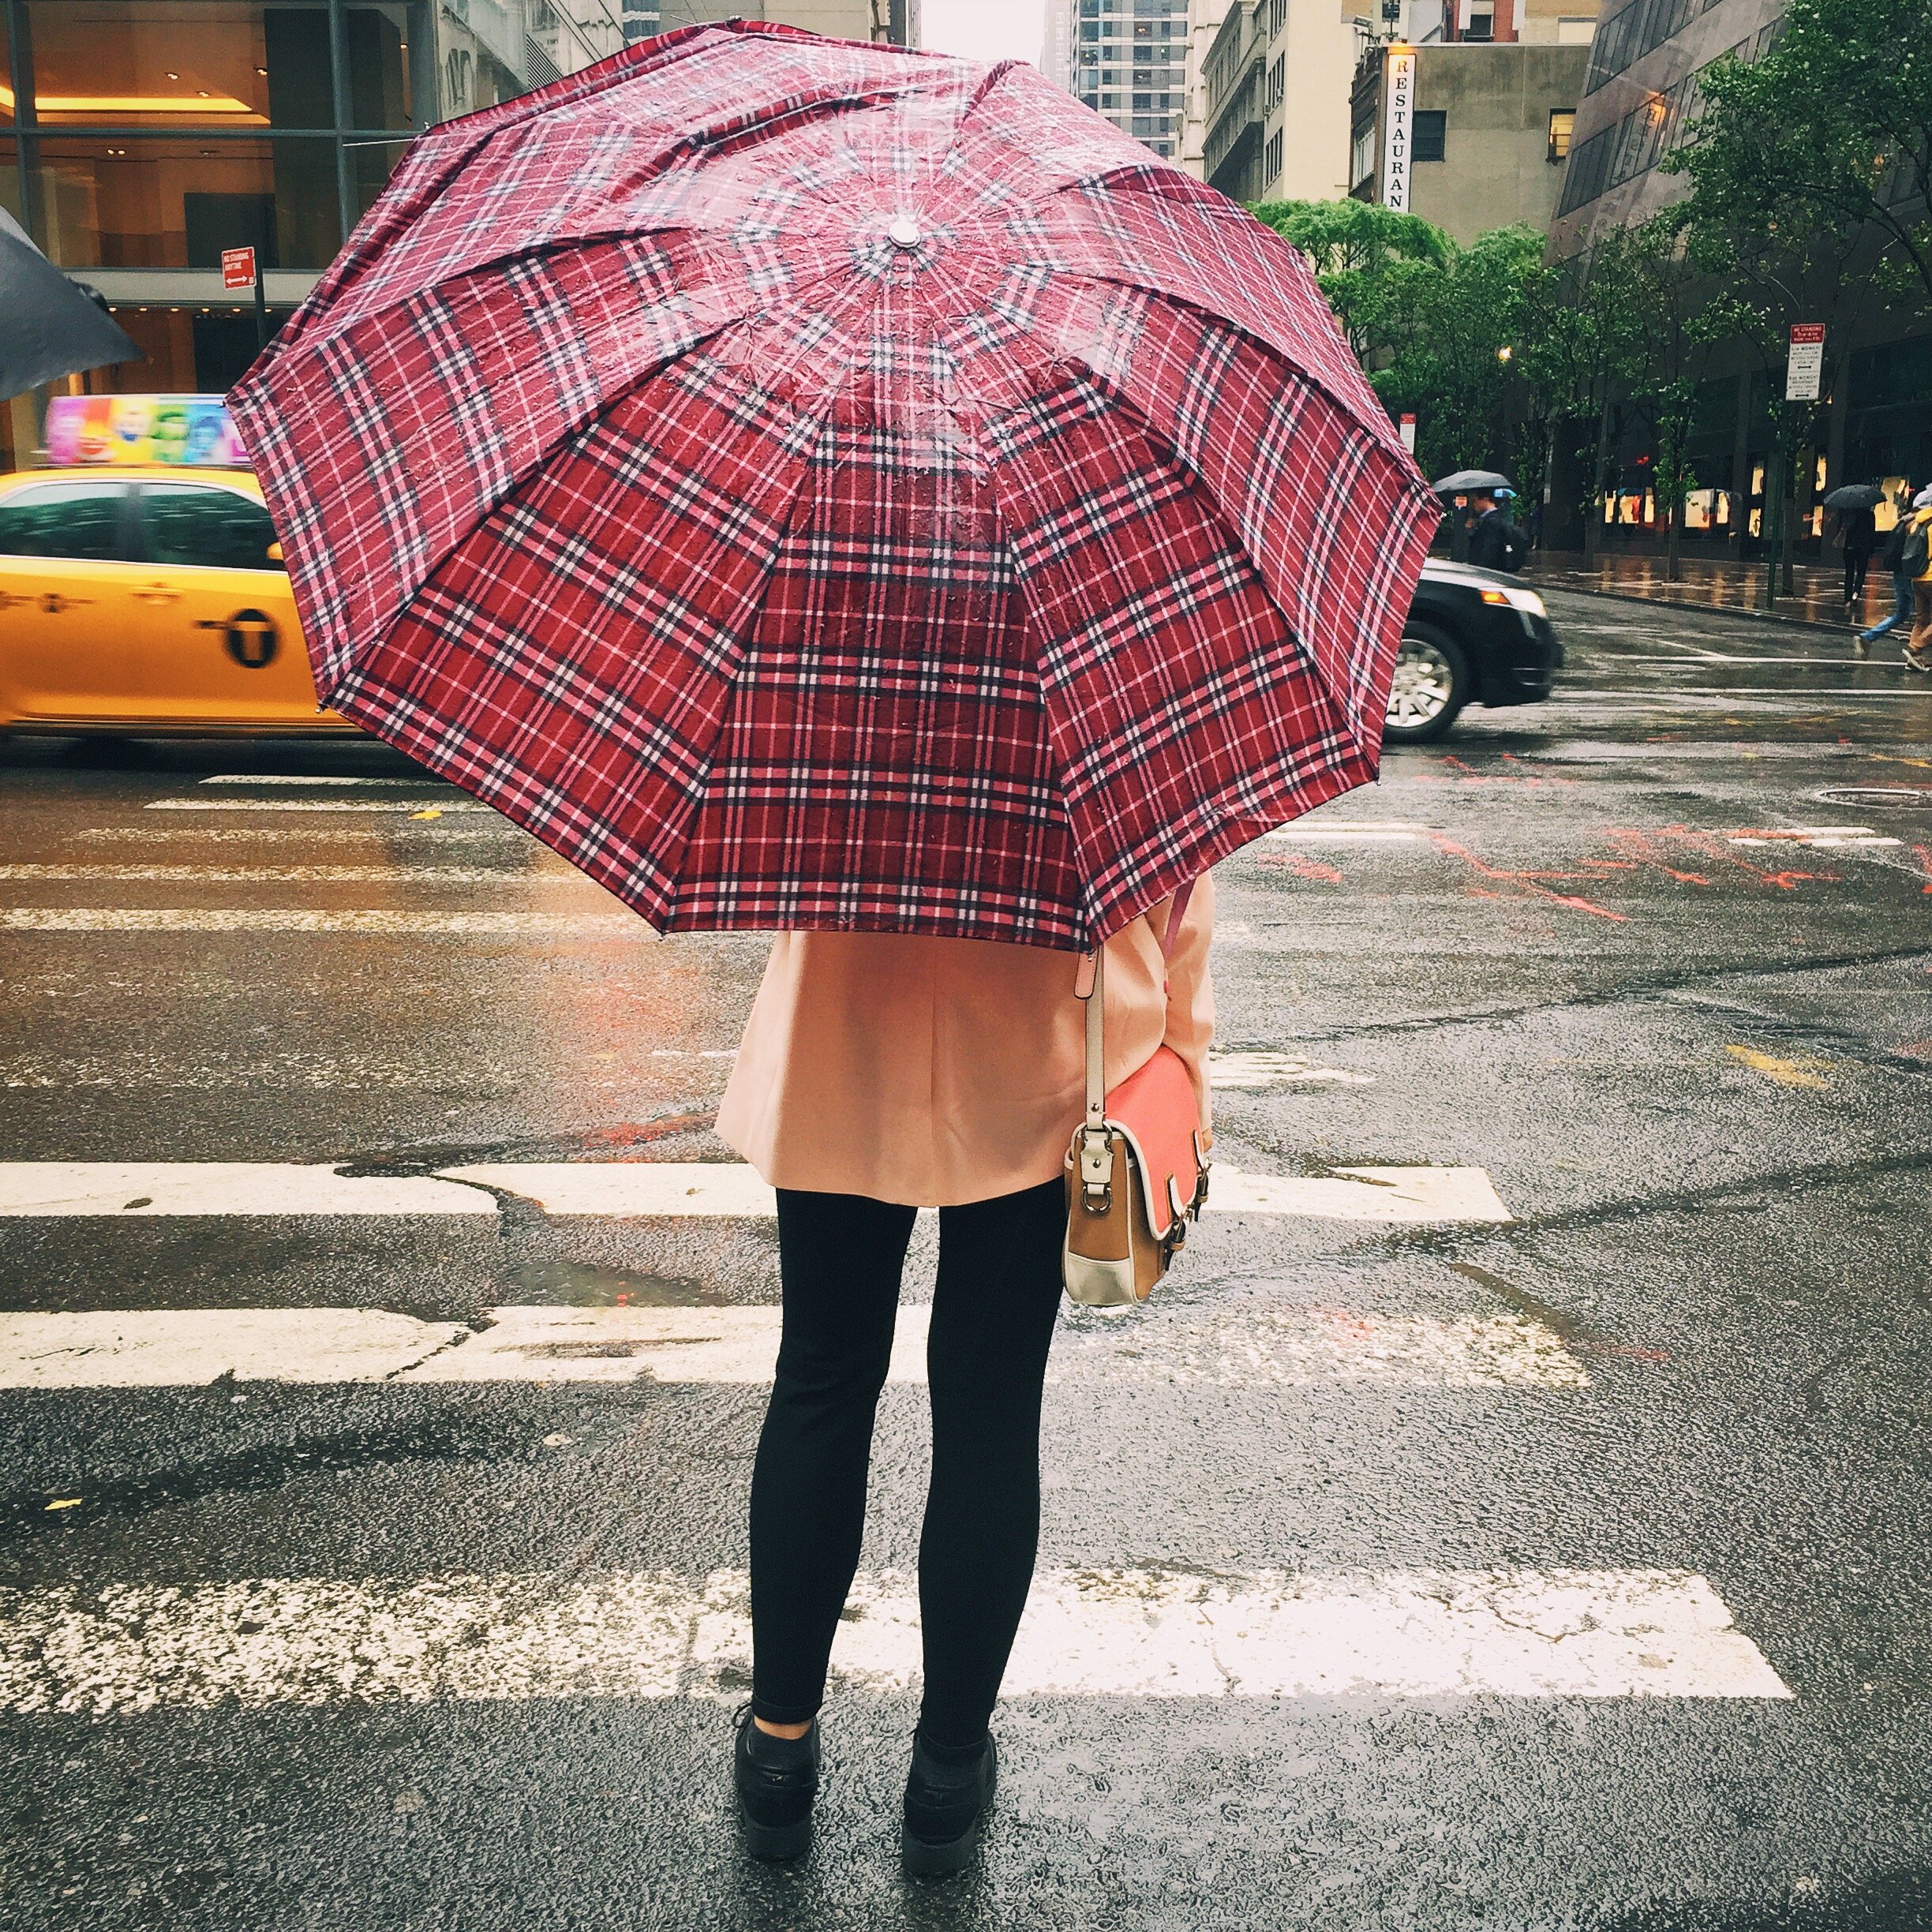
[(1431, 686)]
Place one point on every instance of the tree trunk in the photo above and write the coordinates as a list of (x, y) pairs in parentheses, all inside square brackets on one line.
[(1592, 514), (1673, 543), (1773, 522)]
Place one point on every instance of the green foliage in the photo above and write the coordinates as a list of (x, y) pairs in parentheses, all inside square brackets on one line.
[(1831, 130), (1428, 318)]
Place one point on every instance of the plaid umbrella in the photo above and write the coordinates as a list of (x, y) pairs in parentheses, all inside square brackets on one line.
[(817, 485)]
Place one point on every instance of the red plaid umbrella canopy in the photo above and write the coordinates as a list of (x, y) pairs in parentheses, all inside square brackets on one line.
[(811, 485)]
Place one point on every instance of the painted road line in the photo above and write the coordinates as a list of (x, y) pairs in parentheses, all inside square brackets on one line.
[(209, 920), (1253, 1071), (125, 1648), (1257, 1347), (333, 835), (127, 1189), (296, 778), (1300, 834), (294, 874), (1830, 838), (130, 1189), (446, 804)]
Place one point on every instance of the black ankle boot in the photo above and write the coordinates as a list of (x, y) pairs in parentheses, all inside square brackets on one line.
[(947, 1799), (777, 1779)]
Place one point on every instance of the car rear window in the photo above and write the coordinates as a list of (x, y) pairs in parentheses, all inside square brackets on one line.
[(196, 523), (79, 520)]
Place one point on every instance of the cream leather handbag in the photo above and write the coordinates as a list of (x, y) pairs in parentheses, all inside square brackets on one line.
[(1137, 1171)]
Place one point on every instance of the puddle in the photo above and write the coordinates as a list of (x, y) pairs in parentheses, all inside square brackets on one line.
[(589, 1284)]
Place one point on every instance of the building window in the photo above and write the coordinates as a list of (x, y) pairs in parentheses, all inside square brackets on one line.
[(1481, 25), (1427, 133), (1274, 166), (1362, 156), (1277, 84), (1562, 120)]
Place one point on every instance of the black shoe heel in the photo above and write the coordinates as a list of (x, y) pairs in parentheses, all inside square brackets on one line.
[(945, 1809), (776, 1780), (776, 1843)]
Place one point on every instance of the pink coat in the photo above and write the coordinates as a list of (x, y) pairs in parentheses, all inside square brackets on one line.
[(934, 1071)]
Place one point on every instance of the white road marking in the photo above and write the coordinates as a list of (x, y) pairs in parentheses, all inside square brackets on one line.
[(122, 1649), (296, 778), (1250, 1347), (1305, 832), (446, 803), (295, 875), (211, 919), (673, 1188), (1829, 838), (200, 835), (1252, 1071)]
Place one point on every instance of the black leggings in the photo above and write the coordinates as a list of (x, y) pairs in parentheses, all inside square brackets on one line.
[(840, 1258)]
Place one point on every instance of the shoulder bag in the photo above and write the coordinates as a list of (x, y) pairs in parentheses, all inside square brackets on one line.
[(1137, 1171)]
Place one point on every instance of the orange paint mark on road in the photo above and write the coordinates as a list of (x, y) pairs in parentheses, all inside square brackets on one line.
[(1302, 867), (1644, 851), (1526, 882), (1710, 845)]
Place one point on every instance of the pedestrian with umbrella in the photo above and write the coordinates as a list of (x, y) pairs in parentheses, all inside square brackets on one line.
[(49, 327), (830, 489), (1852, 504), (1892, 560)]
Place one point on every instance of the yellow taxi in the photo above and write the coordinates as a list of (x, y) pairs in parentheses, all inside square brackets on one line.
[(144, 599)]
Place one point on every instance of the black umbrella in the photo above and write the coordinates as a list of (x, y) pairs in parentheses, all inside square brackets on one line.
[(1854, 496), (1472, 483), (49, 327)]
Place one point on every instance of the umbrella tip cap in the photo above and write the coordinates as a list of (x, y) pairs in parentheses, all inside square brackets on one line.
[(904, 233)]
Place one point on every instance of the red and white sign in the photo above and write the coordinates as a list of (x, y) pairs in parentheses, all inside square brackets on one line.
[(1804, 369), (1406, 426), (237, 268)]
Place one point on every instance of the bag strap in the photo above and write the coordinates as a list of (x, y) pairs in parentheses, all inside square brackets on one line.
[(1088, 985)]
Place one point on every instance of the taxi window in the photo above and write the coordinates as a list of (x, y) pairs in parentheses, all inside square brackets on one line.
[(63, 520), (199, 524)]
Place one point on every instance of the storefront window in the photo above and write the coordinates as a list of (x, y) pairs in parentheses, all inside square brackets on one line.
[(153, 63), (144, 201)]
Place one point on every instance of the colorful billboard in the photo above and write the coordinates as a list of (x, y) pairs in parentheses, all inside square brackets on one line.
[(140, 429)]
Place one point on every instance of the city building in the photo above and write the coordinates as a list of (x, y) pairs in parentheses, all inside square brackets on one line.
[(1128, 62), (1479, 137), (140, 138), (1204, 19), (1639, 93), (1275, 81)]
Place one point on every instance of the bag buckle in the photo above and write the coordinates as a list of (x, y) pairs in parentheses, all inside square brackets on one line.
[(1096, 1171)]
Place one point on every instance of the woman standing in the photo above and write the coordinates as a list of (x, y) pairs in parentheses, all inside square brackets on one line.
[(881, 1073)]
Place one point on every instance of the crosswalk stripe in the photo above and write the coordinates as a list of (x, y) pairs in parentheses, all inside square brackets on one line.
[(121, 919), (1245, 1346), (313, 778), (128, 1189), (124, 1649), (445, 803)]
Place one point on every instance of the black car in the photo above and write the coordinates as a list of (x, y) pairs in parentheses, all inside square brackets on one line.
[(1472, 637)]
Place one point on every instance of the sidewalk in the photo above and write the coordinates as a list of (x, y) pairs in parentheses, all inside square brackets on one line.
[(1718, 583)]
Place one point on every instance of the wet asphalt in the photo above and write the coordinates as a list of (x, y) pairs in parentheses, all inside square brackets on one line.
[(1602, 956)]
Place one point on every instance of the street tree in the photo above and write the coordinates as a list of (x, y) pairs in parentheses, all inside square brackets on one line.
[(1436, 325), (1831, 128)]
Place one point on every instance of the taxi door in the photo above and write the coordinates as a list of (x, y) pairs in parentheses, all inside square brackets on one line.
[(67, 587), (218, 643)]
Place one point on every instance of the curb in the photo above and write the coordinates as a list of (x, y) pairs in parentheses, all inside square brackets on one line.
[(1705, 610)]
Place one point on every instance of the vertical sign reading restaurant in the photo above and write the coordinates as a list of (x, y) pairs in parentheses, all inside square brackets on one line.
[(1396, 128)]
